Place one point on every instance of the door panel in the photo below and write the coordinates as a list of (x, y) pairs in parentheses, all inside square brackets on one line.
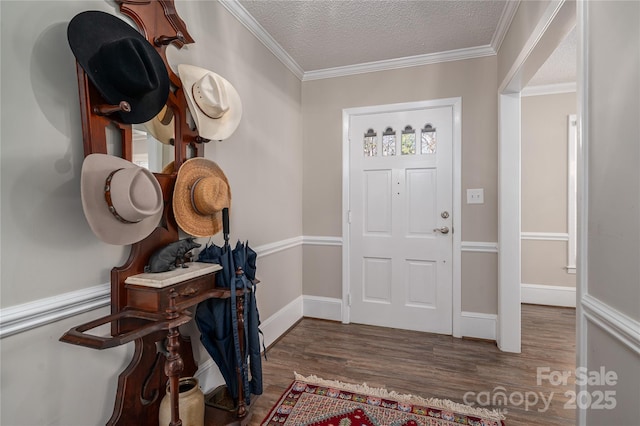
[(400, 182), (377, 280), (421, 203), (377, 201), (421, 283)]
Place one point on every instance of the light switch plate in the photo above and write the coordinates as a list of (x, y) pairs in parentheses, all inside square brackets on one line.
[(475, 196)]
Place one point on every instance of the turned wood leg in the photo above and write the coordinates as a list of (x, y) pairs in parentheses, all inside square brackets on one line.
[(172, 368), (173, 365)]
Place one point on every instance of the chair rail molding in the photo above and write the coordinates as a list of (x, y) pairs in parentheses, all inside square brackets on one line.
[(479, 246), (278, 246), (315, 240), (545, 236), (19, 318), (23, 317), (623, 328)]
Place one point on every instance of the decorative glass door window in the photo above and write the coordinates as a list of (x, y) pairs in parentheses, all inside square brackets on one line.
[(408, 141), (389, 142), (370, 143), (428, 140)]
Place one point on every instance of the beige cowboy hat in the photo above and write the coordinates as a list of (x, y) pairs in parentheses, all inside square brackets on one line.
[(160, 131), (213, 102), (201, 192), (121, 201)]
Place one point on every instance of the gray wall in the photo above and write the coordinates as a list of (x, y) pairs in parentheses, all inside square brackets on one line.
[(323, 101), (285, 170), (48, 249), (609, 275), (544, 187)]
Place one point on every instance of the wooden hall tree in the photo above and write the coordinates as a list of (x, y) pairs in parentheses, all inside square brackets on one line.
[(150, 317)]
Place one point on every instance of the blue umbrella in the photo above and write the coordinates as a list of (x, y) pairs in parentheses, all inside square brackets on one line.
[(218, 322)]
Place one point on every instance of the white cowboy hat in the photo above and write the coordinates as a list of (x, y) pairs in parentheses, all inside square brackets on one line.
[(200, 193), (122, 202), (213, 102), (164, 133)]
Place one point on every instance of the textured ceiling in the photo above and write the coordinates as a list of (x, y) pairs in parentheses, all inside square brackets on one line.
[(561, 67), (323, 38), (321, 34)]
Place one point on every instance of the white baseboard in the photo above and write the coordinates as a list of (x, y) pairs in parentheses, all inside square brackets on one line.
[(479, 325), (328, 308), (209, 376), (474, 324), (551, 295), (276, 325)]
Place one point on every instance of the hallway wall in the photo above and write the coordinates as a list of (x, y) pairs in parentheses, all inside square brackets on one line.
[(53, 266), (545, 232), (322, 104)]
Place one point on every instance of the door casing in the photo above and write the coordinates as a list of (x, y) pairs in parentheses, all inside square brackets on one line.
[(558, 19), (456, 110)]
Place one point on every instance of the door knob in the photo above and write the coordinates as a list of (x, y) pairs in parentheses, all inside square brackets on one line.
[(443, 230)]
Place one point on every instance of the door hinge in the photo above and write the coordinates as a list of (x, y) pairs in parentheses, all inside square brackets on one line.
[(349, 216), (349, 299)]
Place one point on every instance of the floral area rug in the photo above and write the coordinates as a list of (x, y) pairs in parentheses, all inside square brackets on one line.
[(311, 401)]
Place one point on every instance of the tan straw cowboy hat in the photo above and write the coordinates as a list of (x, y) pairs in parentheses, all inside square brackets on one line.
[(121, 201), (201, 192), (213, 102)]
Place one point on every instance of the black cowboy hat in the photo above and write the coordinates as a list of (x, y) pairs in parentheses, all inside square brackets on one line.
[(121, 64)]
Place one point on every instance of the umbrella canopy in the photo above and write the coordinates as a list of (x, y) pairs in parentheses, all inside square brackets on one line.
[(217, 319)]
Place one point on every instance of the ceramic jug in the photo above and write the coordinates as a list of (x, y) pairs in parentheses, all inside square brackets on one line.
[(190, 402)]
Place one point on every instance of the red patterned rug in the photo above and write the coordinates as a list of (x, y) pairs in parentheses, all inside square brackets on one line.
[(311, 401)]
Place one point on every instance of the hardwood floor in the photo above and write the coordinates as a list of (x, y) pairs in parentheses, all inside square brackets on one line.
[(432, 365)]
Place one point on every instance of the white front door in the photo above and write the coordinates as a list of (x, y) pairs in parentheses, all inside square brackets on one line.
[(401, 208)]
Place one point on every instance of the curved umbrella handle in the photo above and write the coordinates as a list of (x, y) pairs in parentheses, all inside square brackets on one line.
[(225, 225)]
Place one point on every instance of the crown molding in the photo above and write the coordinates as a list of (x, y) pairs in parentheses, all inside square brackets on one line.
[(241, 14), (406, 62), (504, 23), (549, 89)]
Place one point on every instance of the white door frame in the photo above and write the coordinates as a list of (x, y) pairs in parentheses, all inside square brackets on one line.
[(554, 24), (456, 104)]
